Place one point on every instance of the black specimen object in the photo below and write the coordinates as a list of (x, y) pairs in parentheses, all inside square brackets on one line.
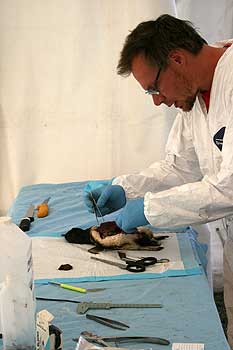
[(109, 236), (65, 267), (78, 235)]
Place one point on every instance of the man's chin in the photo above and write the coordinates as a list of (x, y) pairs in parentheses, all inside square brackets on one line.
[(187, 106), (184, 106)]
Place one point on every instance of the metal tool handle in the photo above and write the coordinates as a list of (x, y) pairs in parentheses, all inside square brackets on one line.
[(150, 260), (152, 340), (25, 223), (73, 288), (163, 260), (103, 340), (135, 266), (146, 261), (68, 286)]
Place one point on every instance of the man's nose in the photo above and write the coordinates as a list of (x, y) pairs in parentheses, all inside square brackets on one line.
[(158, 99)]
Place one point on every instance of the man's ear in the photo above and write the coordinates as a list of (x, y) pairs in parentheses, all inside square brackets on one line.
[(176, 57)]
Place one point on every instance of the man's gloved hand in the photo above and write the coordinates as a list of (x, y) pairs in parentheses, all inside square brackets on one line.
[(132, 216), (108, 199)]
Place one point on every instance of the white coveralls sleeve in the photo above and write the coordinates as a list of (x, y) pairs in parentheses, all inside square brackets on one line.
[(175, 192), (179, 167), (202, 201)]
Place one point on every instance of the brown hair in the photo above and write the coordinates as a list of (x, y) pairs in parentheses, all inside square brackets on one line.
[(156, 39)]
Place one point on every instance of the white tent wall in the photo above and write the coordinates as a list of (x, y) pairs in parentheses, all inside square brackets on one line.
[(65, 115), (213, 18)]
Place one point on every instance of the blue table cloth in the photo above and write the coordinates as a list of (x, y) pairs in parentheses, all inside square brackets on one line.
[(188, 314)]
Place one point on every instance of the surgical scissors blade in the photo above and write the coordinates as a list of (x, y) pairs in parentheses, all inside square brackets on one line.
[(132, 266)]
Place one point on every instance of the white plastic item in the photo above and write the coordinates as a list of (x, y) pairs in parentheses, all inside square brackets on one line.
[(17, 302), (5, 219), (17, 309)]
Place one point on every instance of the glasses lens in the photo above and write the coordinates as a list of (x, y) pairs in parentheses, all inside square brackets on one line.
[(154, 90)]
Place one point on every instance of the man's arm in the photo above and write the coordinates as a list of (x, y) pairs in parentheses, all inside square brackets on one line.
[(201, 201), (180, 165)]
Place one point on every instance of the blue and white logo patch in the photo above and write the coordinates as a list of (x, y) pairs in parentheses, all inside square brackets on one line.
[(218, 137)]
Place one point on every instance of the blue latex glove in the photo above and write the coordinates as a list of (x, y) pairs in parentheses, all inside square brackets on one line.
[(94, 184), (108, 199), (132, 216)]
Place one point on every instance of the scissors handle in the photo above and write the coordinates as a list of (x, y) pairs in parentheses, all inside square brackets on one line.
[(162, 260), (135, 266), (150, 260)]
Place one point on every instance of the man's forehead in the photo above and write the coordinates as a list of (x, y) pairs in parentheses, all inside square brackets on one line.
[(141, 69)]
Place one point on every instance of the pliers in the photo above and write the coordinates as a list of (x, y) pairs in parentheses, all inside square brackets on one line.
[(137, 339)]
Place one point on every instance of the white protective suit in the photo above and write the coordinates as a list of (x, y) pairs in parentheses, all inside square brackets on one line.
[(194, 184)]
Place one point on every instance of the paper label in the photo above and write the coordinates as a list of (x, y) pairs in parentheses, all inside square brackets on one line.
[(42, 330), (187, 346)]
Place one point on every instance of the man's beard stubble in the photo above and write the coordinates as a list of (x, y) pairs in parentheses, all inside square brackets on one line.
[(189, 103)]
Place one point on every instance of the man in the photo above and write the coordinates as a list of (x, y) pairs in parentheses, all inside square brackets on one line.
[(194, 184)]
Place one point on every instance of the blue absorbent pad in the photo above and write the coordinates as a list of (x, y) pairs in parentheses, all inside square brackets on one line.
[(67, 210)]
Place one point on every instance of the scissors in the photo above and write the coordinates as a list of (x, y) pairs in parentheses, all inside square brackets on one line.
[(146, 261), (132, 265)]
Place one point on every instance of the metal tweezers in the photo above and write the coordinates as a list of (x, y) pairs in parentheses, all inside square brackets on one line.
[(107, 322), (96, 208), (103, 340)]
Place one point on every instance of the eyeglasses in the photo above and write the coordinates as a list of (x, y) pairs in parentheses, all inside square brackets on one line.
[(154, 90)]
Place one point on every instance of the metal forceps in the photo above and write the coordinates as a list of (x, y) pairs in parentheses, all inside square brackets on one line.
[(121, 339), (108, 322), (96, 208)]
